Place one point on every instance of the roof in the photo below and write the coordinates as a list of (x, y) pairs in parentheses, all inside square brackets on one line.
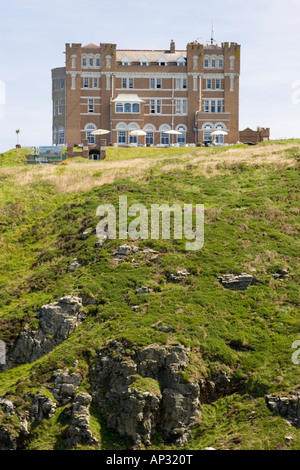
[(152, 56), (128, 98), (91, 45)]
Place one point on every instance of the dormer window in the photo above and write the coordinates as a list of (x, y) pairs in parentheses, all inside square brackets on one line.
[(181, 62), (126, 61), (144, 61)]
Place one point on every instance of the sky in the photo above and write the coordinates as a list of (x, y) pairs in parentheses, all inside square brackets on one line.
[(33, 34)]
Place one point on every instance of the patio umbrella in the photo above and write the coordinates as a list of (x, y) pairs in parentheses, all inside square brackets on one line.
[(138, 132), (100, 132), (219, 133), (172, 132)]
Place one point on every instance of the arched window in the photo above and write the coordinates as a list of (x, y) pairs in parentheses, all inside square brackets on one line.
[(207, 130), (121, 128), (88, 129), (61, 135), (181, 138), (127, 108), (150, 129), (195, 61), (164, 138)]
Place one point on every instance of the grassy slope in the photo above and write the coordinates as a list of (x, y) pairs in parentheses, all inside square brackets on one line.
[(251, 220)]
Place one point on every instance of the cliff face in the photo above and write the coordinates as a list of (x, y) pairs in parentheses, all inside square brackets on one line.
[(146, 392)]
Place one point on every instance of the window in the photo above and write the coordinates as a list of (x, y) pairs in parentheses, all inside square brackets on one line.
[(181, 138), (127, 83), (221, 63), (206, 63), (127, 107), (181, 83), (73, 61), (155, 83), (208, 83), (150, 138), (95, 82), (59, 109), (98, 63), (218, 83), (195, 62), (213, 106), (91, 105), (88, 129), (164, 139), (62, 83), (86, 82), (91, 62), (207, 130), (181, 106), (83, 61), (121, 137), (155, 106), (181, 62), (213, 63), (61, 135)]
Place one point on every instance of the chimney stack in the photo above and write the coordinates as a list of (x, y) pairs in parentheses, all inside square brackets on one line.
[(172, 47)]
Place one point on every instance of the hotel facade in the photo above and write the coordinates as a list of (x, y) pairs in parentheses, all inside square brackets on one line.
[(193, 91)]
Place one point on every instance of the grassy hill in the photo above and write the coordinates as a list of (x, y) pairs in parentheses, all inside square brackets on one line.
[(251, 199)]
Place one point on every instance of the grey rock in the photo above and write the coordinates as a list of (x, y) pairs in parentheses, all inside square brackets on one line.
[(79, 430), (74, 264), (237, 282), (286, 407), (172, 407), (179, 276), (65, 385), (143, 290), (42, 408), (7, 406), (57, 322)]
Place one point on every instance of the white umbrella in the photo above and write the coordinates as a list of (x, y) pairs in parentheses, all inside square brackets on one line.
[(219, 133), (137, 132), (100, 132), (172, 132)]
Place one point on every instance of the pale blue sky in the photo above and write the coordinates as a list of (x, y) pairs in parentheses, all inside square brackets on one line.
[(33, 34)]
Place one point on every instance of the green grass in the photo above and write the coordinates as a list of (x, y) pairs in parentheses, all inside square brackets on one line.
[(251, 225)]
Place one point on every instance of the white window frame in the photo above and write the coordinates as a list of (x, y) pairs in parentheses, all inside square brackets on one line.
[(91, 105), (88, 128), (127, 83), (155, 106), (181, 106), (155, 83), (86, 82)]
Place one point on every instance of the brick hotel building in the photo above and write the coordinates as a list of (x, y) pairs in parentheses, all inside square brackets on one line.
[(194, 91)]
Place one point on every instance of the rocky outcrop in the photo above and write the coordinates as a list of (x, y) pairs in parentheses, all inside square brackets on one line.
[(147, 392), (65, 385), (287, 407), (42, 408), (179, 276), (239, 282), (57, 321), (79, 430)]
